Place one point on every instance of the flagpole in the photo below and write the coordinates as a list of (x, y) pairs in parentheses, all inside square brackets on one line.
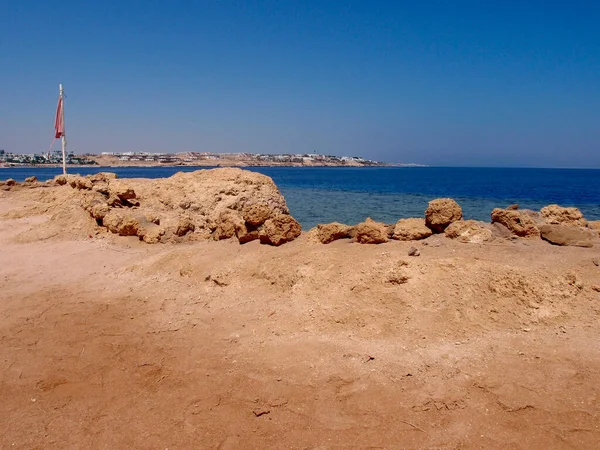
[(64, 138)]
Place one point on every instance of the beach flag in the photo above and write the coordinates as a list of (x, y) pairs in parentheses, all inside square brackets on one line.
[(59, 124)]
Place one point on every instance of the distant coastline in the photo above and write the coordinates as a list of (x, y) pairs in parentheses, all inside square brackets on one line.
[(190, 159)]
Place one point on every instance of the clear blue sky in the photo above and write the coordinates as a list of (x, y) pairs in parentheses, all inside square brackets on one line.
[(508, 83)]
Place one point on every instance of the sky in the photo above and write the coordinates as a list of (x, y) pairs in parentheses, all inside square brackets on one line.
[(453, 83)]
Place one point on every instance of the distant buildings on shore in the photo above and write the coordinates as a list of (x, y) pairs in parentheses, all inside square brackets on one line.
[(15, 159), (263, 158), (189, 158)]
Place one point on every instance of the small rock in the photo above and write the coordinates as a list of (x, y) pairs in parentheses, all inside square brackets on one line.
[(330, 232), (468, 231), (10, 182), (411, 230), (413, 251), (31, 179), (595, 287), (519, 223), (279, 230), (596, 261), (371, 232), (442, 212), (557, 215)]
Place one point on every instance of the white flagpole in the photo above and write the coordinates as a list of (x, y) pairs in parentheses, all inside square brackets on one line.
[(64, 137)]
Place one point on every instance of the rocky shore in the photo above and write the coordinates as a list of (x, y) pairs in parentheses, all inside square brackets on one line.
[(230, 203), (133, 317)]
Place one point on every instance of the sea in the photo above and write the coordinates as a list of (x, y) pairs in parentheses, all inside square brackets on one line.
[(349, 195)]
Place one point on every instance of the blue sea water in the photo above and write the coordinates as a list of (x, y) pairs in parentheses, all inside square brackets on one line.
[(349, 195)]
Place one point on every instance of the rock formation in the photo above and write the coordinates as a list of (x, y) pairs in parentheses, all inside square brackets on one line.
[(218, 204), (330, 232), (557, 215), (567, 235), (442, 212), (518, 222), (371, 232), (468, 231), (411, 230)]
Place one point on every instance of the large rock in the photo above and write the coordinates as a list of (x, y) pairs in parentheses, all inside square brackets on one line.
[(371, 232), (557, 215), (442, 212), (468, 231), (121, 223), (279, 230), (218, 204), (330, 232), (411, 230), (567, 235), (519, 223)]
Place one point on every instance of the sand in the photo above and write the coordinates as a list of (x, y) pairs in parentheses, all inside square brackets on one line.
[(107, 342)]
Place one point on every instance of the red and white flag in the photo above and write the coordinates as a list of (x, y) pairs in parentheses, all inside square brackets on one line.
[(59, 124)]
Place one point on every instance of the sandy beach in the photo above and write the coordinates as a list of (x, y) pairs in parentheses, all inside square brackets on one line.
[(107, 341)]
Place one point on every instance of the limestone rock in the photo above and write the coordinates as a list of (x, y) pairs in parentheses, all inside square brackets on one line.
[(567, 235), (79, 182), (151, 233), (557, 215), (61, 180), (330, 232), (32, 179), (102, 177), (120, 190), (411, 230), (184, 226), (468, 231), (513, 207), (371, 232), (279, 230), (10, 182), (256, 214), (519, 223), (595, 225), (121, 223), (413, 251), (228, 225), (442, 212), (218, 204)]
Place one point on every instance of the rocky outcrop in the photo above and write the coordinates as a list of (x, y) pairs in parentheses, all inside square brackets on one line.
[(519, 223), (567, 235), (557, 215), (468, 231), (279, 230), (411, 230), (217, 204), (371, 232), (330, 232), (442, 212)]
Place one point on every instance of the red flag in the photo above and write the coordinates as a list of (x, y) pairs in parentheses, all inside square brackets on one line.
[(59, 124)]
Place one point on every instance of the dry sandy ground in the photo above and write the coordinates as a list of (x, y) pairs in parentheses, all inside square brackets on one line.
[(108, 343)]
